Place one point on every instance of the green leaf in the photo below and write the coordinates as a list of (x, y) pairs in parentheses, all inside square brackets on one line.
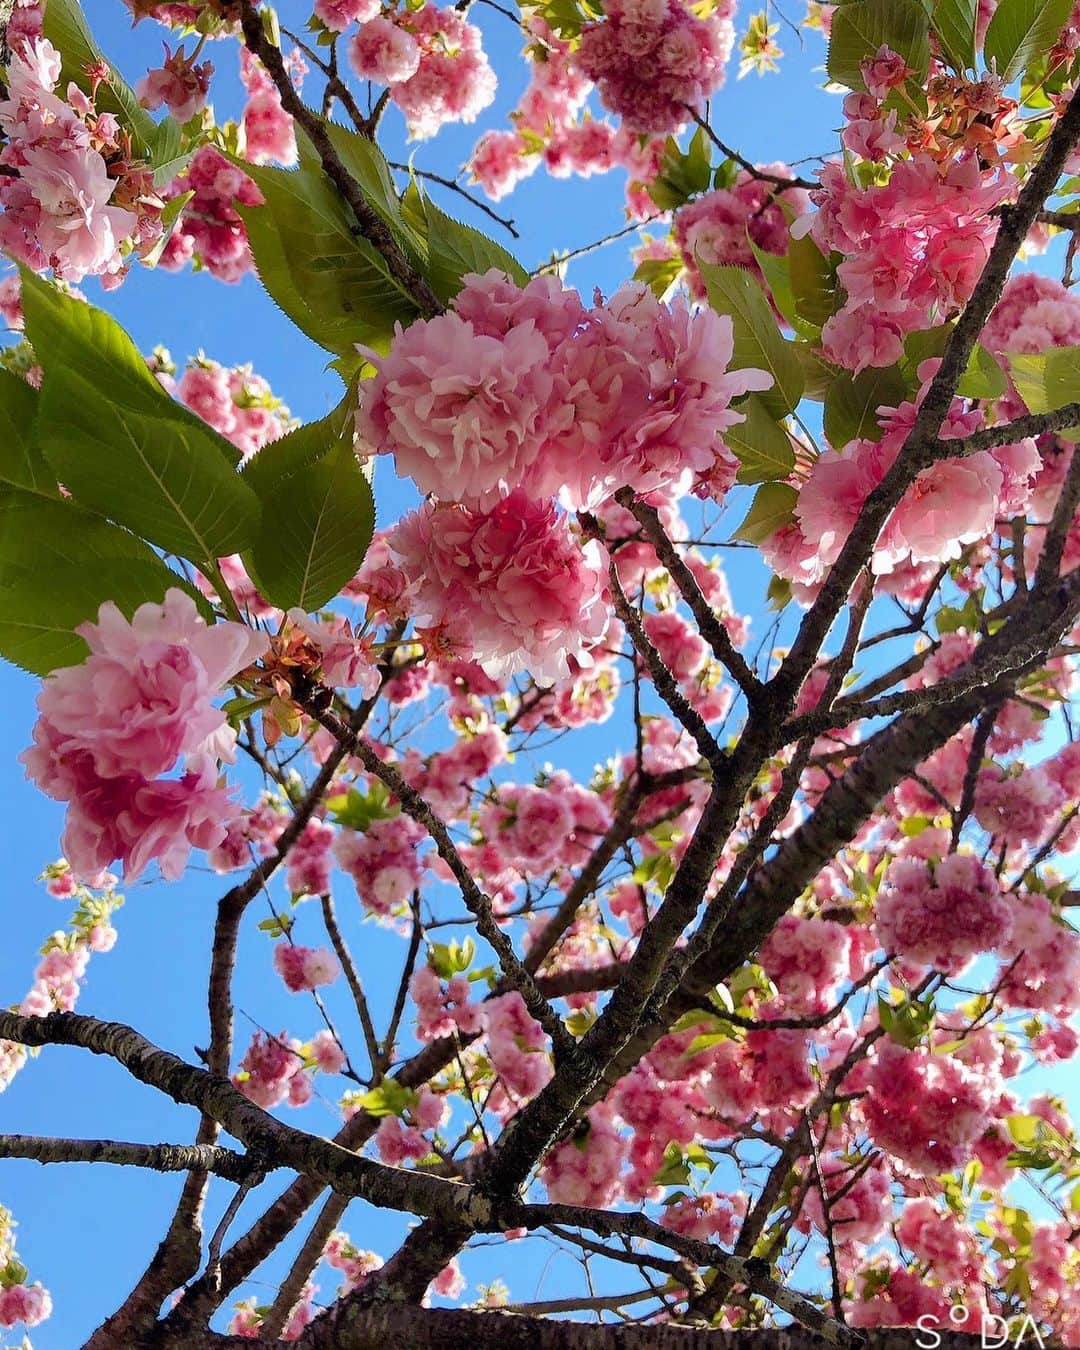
[(455, 250), (907, 1023), (1022, 30), (853, 400), (772, 508), (1048, 380), (58, 565), (758, 342), (1029, 375), (683, 174), (448, 959), (762, 447), (675, 1170), (309, 255), (922, 345), (357, 810), (315, 529), (818, 374), (367, 164), (983, 378), (21, 461), (861, 27), (813, 281), (300, 448), (388, 1099), (66, 28), (954, 23), (777, 273), (580, 1020), (169, 217), (166, 152), (659, 274), (121, 445), (1024, 1130)]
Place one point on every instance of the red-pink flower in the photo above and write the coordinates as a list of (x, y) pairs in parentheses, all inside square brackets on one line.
[(180, 84)]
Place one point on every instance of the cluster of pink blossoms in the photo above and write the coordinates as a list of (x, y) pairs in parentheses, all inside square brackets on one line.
[(278, 1070), (236, 402), (653, 62), (383, 862), (247, 1320), (19, 1301), (913, 250), (25, 1303), (510, 588), (954, 502), (929, 1110), (110, 728), (537, 829), (1034, 313), (61, 199), (807, 959), (268, 129), (717, 227), (516, 395), (550, 128), (431, 59), (941, 914), (210, 231)]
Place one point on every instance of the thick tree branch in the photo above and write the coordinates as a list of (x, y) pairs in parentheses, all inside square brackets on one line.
[(223, 1162), (1008, 433), (276, 1143)]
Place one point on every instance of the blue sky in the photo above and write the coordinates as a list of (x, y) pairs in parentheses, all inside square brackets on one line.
[(86, 1233)]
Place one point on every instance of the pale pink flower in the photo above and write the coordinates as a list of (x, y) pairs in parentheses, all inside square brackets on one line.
[(305, 968), (510, 588), (179, 84), (337, 15), (26, 1303), (384, 51)]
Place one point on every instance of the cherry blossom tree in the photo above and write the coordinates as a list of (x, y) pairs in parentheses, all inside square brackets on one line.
[(743, 1016)]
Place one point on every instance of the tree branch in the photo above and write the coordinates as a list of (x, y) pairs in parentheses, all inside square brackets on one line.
[(478, 904), (709, 625), (223, 1162), (371, 226)]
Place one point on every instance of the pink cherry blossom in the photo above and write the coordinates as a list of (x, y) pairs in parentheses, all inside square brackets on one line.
[(717, 227), (181, 85), (305, 968), (941, 914), (652, 60), (510, 588), (25, 1303), (140, 702), (384, 51), (337, 15)]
